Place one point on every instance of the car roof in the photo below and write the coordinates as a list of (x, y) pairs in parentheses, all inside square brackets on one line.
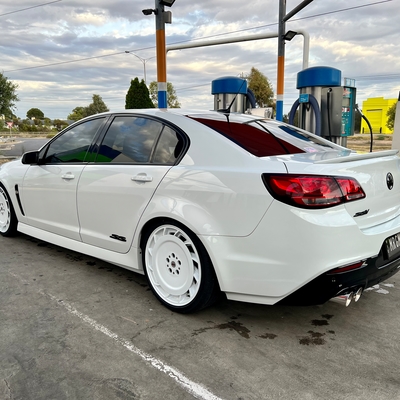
[(193, 113)]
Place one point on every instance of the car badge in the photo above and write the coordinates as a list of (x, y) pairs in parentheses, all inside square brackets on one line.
[(389, 181)]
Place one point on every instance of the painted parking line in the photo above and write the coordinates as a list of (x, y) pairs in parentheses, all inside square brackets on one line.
[(195, 389)]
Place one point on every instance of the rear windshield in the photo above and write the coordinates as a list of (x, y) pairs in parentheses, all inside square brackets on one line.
[(264, 138)]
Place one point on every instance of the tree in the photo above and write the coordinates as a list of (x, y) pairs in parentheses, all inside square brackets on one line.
[(97, 106), (138, 95), (391, 114), (172, 98), (261, 87), (8, 97), (77, 114), (59, 124), (35, 113)]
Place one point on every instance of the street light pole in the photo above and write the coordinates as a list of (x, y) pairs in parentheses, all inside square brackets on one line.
[(143, 60)]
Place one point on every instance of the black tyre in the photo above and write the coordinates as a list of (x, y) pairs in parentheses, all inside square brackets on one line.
[(178, 268), (8, 219)]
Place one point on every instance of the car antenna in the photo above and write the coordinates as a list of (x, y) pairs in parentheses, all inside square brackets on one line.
[(227, 110)]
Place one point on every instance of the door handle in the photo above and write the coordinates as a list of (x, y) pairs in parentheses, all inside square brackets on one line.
[(142, 178), (68, 176)]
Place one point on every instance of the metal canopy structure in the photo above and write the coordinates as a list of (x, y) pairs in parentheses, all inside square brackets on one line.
[(283, 17), (163, 17), (238, 39)]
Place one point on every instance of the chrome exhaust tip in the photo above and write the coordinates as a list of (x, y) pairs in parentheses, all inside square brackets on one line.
[(344, 299), (358, 294)]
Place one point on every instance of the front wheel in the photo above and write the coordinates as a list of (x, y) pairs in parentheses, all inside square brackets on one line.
[(178, 268), (8, 219)]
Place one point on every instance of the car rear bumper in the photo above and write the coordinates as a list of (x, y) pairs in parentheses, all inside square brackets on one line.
[(329, 285), (290, 257)]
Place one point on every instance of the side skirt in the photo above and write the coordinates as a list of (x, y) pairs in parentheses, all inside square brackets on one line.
[(130, 260)]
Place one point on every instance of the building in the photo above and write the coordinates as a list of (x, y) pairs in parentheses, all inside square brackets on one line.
[(375, 110)]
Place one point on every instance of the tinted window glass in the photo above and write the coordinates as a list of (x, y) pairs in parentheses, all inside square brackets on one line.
[(262, 137), (73, 145), (129, 140), (168, 147), (301, 138), (252, 137)]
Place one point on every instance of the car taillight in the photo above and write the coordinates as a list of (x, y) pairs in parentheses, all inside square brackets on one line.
[(347, 268), (312, 191)]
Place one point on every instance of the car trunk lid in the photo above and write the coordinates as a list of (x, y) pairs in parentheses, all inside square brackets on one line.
[(378, 174)]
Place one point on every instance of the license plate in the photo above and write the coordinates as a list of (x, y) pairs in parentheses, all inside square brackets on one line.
[(392, 244)]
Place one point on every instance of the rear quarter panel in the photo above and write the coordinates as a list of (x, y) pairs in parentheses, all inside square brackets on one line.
[(217, 187)]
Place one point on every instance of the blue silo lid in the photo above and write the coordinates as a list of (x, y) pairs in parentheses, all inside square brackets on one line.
[(229, 84), (319, 76)]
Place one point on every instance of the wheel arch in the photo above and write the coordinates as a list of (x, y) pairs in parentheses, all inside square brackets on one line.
[(12, 230), (15, 201), (6, 188), (153, 222), (209, 290), (10, 193)]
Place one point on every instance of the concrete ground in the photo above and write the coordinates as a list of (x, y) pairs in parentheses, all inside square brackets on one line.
[(74, 327)]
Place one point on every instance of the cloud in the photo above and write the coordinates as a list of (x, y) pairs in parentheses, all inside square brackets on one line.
[(60, 54)]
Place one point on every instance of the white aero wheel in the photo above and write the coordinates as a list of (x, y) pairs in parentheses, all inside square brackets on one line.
[(178, 268), (8, 220)]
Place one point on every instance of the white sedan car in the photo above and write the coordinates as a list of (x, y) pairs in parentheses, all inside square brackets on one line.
[(207, 202)]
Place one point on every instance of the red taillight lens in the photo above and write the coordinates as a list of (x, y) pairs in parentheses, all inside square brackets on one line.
[(312, 191), (351, 189), (347, 268)]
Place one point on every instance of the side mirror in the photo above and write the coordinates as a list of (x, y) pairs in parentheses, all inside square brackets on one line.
[(31, 157)]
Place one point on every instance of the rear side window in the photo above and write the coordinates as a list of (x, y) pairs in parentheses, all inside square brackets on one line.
[(138, 140), (168, 147), (129, 140)]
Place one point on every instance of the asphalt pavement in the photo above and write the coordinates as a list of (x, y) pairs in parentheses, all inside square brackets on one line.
[(75, 327), (17, 147)]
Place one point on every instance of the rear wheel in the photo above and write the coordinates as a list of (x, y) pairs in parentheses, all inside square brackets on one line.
[(178, 268), (8, 219)]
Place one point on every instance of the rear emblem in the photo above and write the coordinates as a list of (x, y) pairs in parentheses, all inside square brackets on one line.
[(389, 181)]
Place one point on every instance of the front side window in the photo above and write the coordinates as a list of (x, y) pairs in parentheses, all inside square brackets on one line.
[(72, 146)]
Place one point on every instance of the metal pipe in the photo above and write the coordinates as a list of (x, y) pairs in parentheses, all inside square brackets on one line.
[(358, 294), (236, 39), (306, 46), (296, 9), (344, 299)]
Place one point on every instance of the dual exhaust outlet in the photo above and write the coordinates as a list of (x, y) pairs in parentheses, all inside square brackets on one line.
[(346, 299)]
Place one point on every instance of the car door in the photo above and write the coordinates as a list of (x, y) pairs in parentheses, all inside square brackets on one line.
[(48, 191), (113, 192)]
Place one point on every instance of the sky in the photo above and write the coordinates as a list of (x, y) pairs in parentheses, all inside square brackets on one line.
[(61, 52)]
